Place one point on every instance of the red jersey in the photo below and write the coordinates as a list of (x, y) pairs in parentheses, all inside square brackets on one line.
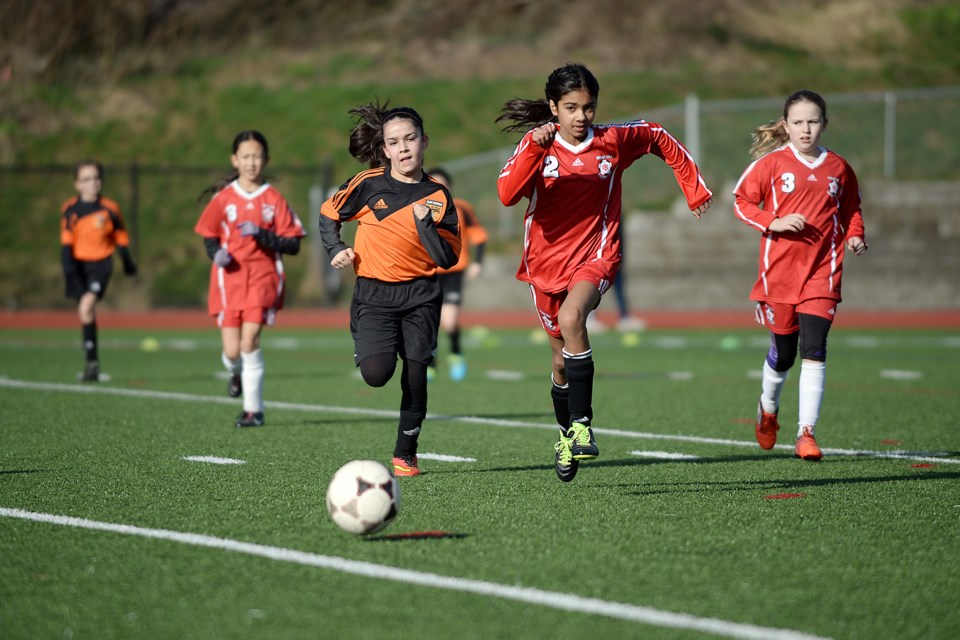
[(795, 267), (255, 278), (92, 229), (575, 195), (471, 232)]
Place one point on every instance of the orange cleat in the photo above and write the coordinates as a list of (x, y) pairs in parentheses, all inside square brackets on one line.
[(767, 427), (807, 447), (405, 466)]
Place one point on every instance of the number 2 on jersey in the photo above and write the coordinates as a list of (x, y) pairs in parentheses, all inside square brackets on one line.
[(551, 167)]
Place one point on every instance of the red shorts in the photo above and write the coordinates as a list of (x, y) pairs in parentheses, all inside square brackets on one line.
[(236, 317), (781, 318), (599, 273)]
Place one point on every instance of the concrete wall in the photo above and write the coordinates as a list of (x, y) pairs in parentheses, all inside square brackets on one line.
[(674, 262)]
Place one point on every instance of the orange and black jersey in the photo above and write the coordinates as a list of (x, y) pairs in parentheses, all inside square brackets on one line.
[(391, 244), (92, 229)]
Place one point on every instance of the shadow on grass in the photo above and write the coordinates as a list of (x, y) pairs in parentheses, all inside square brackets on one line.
[(417, 535)]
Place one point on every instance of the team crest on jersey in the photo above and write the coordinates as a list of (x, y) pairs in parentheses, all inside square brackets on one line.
[(833, 188), (266, 212), (604, 166), (770, 318), (232, 212), (436, 209)]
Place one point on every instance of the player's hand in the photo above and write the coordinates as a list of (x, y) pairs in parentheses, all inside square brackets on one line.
[(702, 209), (857, 245), (130, 268), (222, 258), (474, 269), (544, 134), (421, 211), (789, 222), (345, 258), (248, 228)]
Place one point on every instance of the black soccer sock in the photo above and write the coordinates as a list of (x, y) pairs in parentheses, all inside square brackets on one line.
[(90, 341), (561, 404), (579, 367), (413, 407), (455, 341)]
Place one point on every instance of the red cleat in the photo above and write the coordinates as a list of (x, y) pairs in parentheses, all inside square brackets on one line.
[(767, 427), (405, 466), (807, 447)]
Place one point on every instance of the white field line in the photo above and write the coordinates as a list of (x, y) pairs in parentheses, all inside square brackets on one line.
[(214, 460), (552, 599), (917, 456), (664, 455), (444, 458)]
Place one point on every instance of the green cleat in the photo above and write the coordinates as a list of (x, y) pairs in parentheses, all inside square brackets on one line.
[(583, 446), (566, 465)]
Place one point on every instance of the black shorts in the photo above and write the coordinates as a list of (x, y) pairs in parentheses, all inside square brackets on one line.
[(91, 276), (452, 284), (395, 317)]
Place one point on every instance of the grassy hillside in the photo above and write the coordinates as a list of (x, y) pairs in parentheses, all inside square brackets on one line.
[(164, 84)]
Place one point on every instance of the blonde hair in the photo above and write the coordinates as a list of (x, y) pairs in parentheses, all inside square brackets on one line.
[(773, 135)]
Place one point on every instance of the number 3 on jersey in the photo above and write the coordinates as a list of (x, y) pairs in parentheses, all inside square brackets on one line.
[(551, 167), (789, 182)]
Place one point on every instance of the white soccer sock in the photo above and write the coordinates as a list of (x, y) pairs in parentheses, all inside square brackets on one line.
[(813, 377), (233, 366), (252, 379), (772, 386)]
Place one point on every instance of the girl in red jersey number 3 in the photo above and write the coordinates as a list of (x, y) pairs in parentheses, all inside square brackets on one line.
[(805, 201), (571, 172), (246, 227)]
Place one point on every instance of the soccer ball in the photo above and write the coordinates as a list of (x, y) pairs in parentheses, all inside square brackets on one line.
[(363, 497)]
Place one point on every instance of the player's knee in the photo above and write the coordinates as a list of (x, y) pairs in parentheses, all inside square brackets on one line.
[(377, 370), (813, 337), (783, 351)]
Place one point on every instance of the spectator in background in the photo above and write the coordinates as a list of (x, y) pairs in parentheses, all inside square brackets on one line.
[(247, 226), (570, 170), (91, 230), (805, 201), (474, 235)]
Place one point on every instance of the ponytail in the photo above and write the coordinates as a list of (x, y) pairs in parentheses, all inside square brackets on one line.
[(366, 137), (773, 135), (529, 114)]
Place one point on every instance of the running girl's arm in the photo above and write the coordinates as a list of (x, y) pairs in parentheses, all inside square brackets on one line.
[(519, 174), (440, 239)]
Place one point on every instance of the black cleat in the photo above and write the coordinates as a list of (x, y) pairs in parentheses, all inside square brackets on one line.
[(91, 373), (250, 419), (234, 387), (567, 465), (583, 445)]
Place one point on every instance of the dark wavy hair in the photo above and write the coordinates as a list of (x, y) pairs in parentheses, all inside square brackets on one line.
[(528, 114), (366, 137), (243, 136)]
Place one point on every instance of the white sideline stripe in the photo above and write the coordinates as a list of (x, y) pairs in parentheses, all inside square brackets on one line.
[(552, 599), (919, 456), (900, 374), (664, 455), (214, 460), (444, 458)]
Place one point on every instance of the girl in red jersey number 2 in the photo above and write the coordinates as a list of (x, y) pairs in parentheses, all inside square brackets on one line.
[(805, 200), (246, 227), (570, 170)]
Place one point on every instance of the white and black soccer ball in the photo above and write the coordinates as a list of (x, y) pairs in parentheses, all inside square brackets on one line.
[(363, 497)]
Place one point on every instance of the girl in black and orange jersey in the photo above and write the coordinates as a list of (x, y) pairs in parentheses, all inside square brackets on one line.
[(91, 228), (407, 229)]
